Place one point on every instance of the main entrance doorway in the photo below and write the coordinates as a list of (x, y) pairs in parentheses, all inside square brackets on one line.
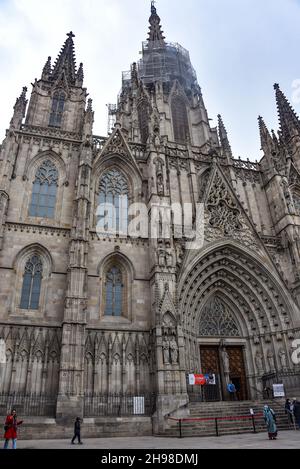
[(212, 363)]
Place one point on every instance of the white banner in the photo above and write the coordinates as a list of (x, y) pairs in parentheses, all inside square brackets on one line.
[(278, 390)]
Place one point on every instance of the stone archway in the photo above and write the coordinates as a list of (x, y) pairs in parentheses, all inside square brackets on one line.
[(260, 306)]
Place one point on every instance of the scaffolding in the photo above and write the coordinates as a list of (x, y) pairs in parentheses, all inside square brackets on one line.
[(164, 62), (112, 117)]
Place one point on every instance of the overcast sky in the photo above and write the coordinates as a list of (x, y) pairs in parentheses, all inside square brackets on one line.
[(239, 49)]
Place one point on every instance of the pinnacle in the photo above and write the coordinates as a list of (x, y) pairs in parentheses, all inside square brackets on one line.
[(289, 121)]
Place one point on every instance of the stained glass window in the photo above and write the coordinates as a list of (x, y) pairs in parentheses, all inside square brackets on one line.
[(180, 120), (32, 281), (114, 292), (113, 197), (58, 105), (44, 191)]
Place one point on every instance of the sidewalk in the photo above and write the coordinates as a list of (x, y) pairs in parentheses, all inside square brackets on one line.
[(286, 440)]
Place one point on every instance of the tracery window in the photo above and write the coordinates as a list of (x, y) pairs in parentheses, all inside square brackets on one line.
[(44, 191), (32, 281), (113, 199), (57, 110), (180, 120), (217, 320), (114, 292)]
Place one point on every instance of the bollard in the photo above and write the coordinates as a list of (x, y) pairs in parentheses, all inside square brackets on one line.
[(180, 428), (253, 422), (217, 428)]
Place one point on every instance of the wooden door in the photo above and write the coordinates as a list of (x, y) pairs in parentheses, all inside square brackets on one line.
[(210, 364), (237, 371)]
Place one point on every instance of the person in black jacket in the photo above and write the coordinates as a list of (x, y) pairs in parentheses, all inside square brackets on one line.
[(77, 429), (297, 412)]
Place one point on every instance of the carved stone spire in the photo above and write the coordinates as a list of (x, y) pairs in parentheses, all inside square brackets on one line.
[(47, 70), (156, 36), (289, 121), (267, 142), (65, 63), (226, 148), (19, 110), (80, 75)]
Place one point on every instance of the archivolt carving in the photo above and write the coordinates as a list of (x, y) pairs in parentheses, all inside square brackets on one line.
[(229, 272)]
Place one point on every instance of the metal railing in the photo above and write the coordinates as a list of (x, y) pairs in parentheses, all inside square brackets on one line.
[(119, 405), (217, 421), (29, 405)]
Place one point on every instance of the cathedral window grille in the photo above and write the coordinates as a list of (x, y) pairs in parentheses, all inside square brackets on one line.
[(143, 114), (217, 321), (44, 191), (180, 120), (114, 293), (113, 198), (32, 281), (57, 110)]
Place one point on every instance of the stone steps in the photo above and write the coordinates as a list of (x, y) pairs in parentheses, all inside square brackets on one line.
[(226, 427)]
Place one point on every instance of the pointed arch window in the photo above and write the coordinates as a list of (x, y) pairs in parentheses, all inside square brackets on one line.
[(44, 192), (143, 114), (180, 120), (32, 281), (57, 109), (114, 292), (113, 200)]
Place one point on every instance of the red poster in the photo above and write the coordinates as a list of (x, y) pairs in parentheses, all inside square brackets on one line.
[(200, 380)]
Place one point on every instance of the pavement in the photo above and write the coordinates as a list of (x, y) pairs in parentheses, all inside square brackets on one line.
[(286, 440)]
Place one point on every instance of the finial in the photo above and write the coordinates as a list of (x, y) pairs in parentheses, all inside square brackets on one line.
[(71, 34), (153, 8)]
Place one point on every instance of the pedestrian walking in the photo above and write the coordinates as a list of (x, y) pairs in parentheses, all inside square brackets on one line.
[(297, 412), (11, 429), (270, 419), (77, 430), (289, 411)]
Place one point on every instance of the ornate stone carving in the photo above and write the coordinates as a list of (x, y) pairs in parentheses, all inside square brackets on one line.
[(224, 211)]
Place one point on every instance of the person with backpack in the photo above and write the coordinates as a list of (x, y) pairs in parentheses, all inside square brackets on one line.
[(270, 419), (11, 429)]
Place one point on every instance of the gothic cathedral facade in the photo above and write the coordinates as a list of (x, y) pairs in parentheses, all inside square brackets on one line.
[(83, 314)]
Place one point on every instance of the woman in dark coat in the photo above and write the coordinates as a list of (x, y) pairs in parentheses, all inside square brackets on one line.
[(11, 429)]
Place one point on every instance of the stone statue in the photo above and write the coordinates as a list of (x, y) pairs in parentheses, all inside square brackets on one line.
[(271, 361), (283, 359), (174, 351), (226, 362), (161, 258), (166, 351), (259, 362)]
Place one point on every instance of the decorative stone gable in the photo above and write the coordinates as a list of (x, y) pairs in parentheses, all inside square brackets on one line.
[(223, 209)]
